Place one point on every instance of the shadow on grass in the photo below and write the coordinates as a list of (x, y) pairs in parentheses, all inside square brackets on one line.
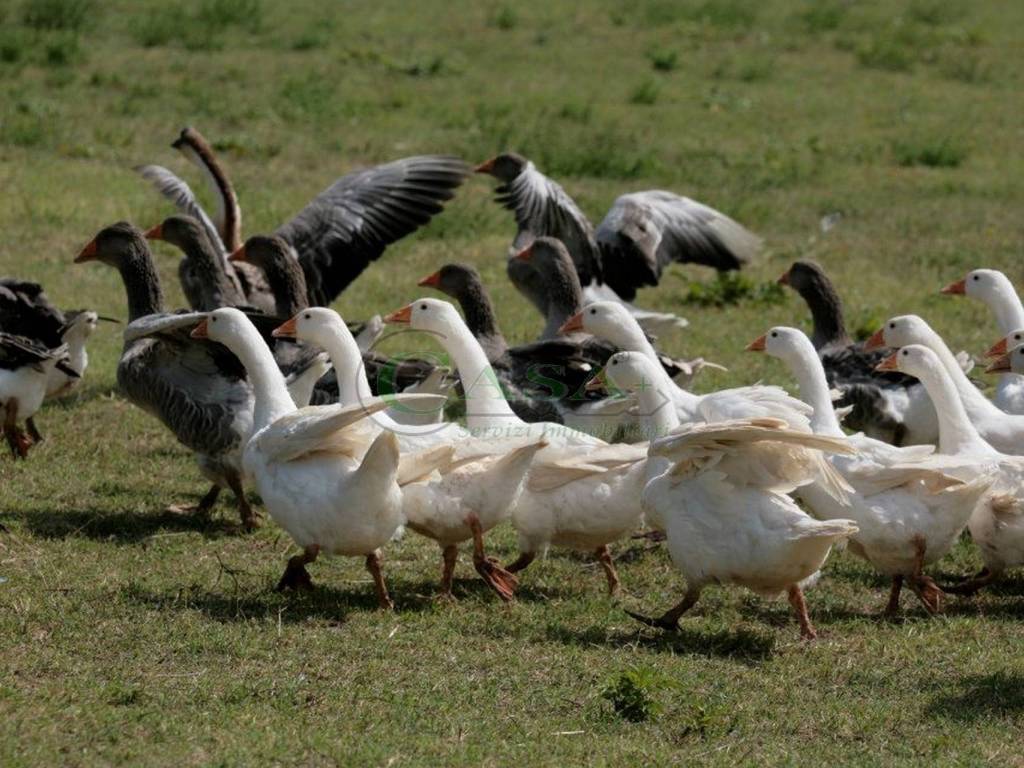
[(1000, 694), (119, 527), (740, 645)]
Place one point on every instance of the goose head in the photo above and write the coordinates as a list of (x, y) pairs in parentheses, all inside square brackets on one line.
[(178, 230), (433, 315), (265, 252), (79, 324), (456, 280), (315, 325), (982, 284), (504, 167), (1005, 344), (608, 320), (1008, 362), (113, 244), (223, 325), (781, 342), (631, 372), (914, 359), (900, 331)]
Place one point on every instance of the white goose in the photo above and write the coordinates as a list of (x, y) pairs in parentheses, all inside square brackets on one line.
[(723, 500), (997, 525), (611, 322), (312, 466), (469, 497), (910, 512), (995, 290), (582, 493), (1003, 431)]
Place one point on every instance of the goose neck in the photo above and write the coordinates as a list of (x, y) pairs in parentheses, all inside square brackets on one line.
[(486, 406), (810, 376), (956, 432), (141, 282), (353, 386), (269, 389)]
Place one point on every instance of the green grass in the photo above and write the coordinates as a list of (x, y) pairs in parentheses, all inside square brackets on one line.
[(137, 637)]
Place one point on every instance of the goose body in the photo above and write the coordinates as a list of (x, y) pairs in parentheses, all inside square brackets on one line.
[(997, 524), (25, 371)]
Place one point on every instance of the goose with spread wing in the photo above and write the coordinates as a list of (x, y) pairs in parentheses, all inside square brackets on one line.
[(641, 234), (338, 233)]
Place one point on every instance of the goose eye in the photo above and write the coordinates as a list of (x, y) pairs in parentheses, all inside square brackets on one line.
[(593, 311), (423, 306), (905, 353), (892, 326), (1016, 337), (615, 362), (976, 277), (213, 319), (775, 335), (307, 316)]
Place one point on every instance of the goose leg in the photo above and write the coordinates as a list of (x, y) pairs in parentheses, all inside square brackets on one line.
[(605, 558), (499, 579), (924, 587), (250, 520), (893, 606), (983, 578), (373, 566), (669, 620), (450, 554), (796, 599), (521, 562), (202, 508), (18, 442), (295, 574), (33, 431)]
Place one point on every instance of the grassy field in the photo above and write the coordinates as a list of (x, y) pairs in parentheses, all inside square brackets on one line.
[(134, 636)]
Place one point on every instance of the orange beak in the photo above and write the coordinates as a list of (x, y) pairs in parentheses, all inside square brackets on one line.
[(889, 364), (155, 233), (431, 281), (199, 332), (238, 254), (998, 349), (783, 278), (285, 330), (574, 323), (525, 254), (758, 344), (485, 167), (959, 288), (403, 315), (877, 341), (1000, 365), (598, 383), (89, 253)]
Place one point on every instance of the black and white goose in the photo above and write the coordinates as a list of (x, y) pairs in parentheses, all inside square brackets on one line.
[(25, 367), (886, 405), (341, 230), (641, 234)]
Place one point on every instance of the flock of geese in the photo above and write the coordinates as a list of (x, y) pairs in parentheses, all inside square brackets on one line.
[(579, 438)]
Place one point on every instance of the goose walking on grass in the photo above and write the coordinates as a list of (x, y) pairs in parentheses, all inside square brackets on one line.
[(719, 492), (997, 524), (995, 290), (908, 509), (467, 497), (197, 389), (326, 478), (582, 493), (338, 233)]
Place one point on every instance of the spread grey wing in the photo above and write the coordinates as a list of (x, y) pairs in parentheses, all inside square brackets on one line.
[(173, 188)]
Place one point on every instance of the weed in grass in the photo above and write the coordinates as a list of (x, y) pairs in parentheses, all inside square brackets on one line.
[(944, 152), (70, 15), (14, 44), (577, 112), (156, 27), (645, 93), (663, 59), (309, 40), (733, 15), (935, 13), (505, 18), (632, 694), (823, 15), (964, 66), (886, 52), (62, 50)]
